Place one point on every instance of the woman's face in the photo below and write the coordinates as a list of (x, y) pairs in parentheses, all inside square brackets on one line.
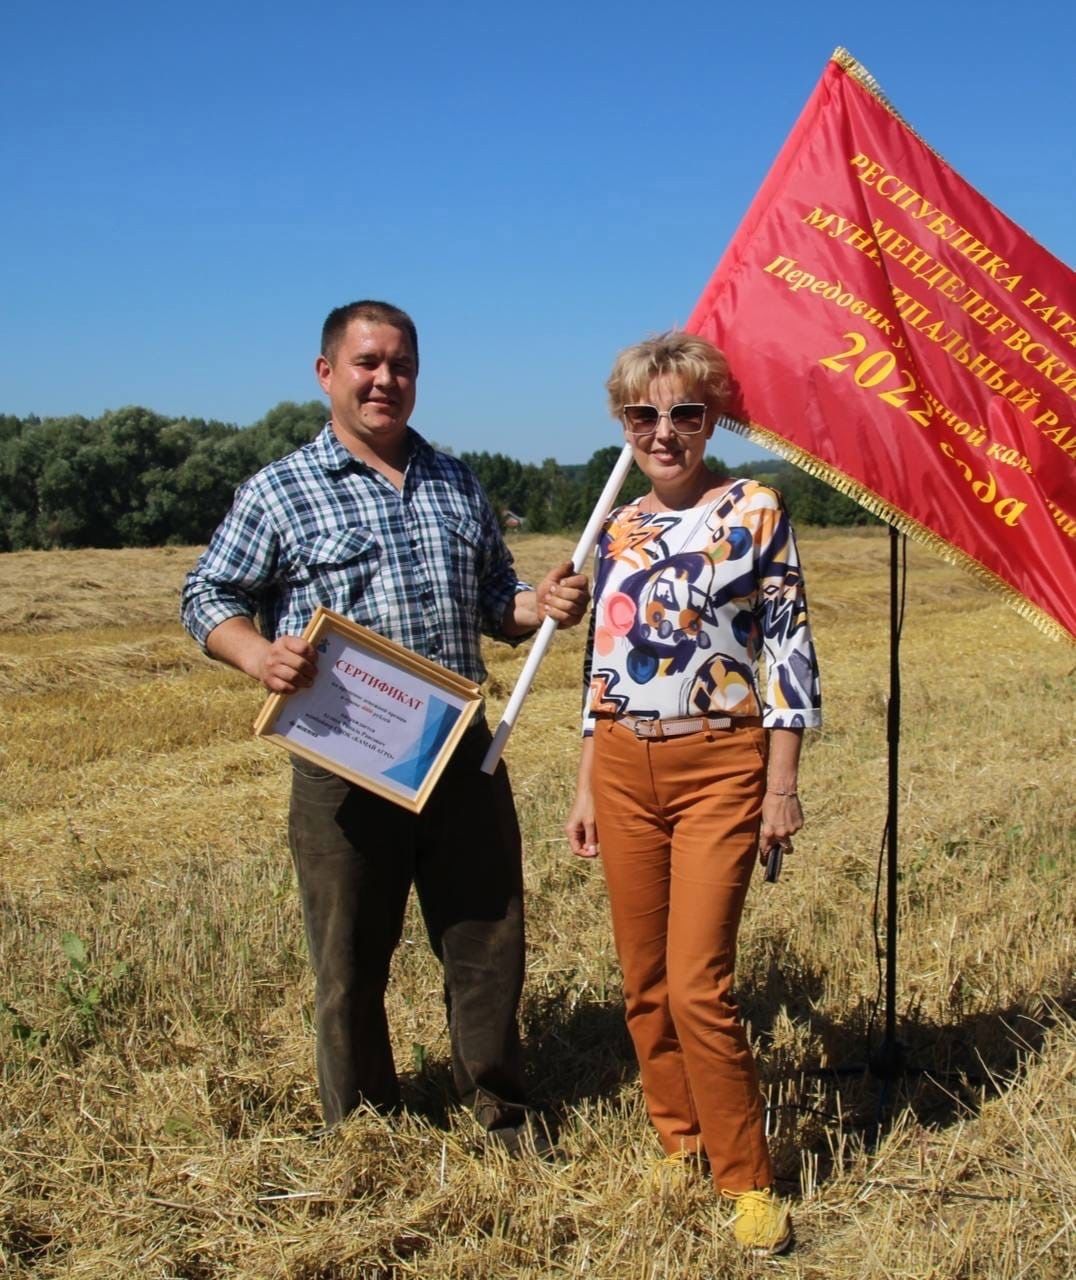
[(669, 460)]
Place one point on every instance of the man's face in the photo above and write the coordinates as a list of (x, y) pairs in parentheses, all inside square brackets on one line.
[(370, 382)]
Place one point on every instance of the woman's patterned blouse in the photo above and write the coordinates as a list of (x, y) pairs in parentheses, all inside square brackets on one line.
[(702, 612)]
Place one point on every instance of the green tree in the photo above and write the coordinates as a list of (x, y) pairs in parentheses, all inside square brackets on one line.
[(285, 427), (508, 483), (596, 473), (135, 478)]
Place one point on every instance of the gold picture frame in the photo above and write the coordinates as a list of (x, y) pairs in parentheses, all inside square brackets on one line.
[(377, 714)]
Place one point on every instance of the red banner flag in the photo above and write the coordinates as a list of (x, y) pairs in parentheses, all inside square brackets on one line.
[(895, 334)]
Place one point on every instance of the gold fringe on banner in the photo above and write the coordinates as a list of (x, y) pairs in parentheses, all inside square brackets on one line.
[(900, 520), (862, 76)]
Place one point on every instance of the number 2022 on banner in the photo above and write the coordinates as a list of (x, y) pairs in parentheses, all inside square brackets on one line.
[(880, 367)]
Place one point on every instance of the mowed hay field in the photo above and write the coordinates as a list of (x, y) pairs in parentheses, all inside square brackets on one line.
[(158, 1103)]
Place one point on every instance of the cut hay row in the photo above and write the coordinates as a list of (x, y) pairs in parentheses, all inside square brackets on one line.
[(93, 667), (55, 591)]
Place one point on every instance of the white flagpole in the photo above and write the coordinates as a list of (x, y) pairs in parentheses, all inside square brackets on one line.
[(545, 633)]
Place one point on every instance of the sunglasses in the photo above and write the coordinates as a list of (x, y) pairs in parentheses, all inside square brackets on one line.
[(643, 419)]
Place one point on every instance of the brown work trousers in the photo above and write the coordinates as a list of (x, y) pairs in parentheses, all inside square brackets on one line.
[(678, 824), (356, 856)]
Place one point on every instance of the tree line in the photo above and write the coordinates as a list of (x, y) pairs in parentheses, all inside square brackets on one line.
[(135, 478)]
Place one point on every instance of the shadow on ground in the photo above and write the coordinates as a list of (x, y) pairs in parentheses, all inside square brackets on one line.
[(853, 1080), (837, 1080)]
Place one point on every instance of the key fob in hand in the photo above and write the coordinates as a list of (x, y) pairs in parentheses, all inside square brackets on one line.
[(774, 857)]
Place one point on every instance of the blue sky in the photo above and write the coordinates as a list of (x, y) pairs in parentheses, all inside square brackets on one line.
[(189, 189)]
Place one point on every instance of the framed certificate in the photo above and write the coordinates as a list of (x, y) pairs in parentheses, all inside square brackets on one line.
[(377, 714)]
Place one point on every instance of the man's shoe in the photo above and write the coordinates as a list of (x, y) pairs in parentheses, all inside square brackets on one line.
[(762, 1222), (527, 1140)]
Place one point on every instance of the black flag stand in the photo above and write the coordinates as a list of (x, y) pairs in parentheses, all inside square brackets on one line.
[(887, 1062)]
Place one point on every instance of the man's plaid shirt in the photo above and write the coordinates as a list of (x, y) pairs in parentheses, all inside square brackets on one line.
[(426, 566)]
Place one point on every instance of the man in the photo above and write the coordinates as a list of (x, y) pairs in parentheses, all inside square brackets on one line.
[(372, 522)]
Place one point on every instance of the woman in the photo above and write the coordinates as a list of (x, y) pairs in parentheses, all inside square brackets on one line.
[(701, 678)]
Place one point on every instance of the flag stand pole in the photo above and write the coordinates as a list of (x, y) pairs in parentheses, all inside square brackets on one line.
[(888, 1061)]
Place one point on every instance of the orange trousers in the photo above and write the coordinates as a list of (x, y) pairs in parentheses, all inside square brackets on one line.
[(678, 824)]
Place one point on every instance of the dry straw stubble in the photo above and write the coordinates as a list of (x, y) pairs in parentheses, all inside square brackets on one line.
[(155, 1031)]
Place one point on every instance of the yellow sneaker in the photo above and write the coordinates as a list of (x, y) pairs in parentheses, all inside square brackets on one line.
[(761, 1222)]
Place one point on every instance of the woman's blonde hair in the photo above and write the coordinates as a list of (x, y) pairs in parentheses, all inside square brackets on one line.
[(697, 363)]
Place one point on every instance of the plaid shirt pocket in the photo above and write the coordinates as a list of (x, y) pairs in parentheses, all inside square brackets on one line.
[(337, 567)]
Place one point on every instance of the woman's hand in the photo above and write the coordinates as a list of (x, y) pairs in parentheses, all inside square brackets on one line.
[(782, 817), (581, 827)]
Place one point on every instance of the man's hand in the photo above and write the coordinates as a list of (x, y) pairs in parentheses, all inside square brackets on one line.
[(563, 595), (286, 665)]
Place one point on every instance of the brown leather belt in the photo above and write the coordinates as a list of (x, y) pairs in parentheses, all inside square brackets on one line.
[(677, 726)]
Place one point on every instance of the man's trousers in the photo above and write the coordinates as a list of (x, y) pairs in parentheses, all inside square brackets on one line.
[(356, 856)]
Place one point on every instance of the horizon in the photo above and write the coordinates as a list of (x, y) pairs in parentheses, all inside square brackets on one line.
[(764, 456)]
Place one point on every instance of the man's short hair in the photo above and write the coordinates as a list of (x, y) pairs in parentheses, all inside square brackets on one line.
[(337, 321)]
